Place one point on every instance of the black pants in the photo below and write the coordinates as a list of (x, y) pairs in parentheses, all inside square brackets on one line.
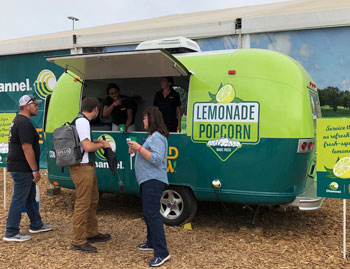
[(151, 192)]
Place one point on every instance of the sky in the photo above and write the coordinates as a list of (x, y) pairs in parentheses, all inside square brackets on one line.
[(23, 18)]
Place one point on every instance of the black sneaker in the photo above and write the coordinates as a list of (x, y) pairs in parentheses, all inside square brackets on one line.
[(158, 261), (144, 246), (86, 247), (99, 238)]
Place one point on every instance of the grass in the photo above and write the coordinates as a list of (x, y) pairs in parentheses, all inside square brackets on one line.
[(328, 112)]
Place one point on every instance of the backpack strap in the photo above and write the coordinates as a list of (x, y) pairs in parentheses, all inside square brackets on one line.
[(80, 115)]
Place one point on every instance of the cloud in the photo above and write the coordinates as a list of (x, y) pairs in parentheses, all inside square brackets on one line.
[(282, 43), (341, 61), (304, 52), (317, 67), (345, 85)]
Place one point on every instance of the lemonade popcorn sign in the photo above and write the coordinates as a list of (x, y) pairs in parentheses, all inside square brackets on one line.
[(333, 158), (225, 122)]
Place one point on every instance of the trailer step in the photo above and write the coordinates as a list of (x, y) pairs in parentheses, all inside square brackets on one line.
[(308, 200)]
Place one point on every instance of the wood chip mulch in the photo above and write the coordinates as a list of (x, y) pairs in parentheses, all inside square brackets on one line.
[(284, 237)]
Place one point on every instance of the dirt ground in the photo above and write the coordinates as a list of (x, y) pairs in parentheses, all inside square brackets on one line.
[(285, 238)]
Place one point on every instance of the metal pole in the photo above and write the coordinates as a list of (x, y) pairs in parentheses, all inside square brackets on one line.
[(344, 228), (5, 187)]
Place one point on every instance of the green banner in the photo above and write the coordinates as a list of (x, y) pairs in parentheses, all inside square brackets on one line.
[(27, 74), (333, 157)]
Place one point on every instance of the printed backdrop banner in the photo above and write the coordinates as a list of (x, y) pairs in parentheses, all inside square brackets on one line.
[(20, 75), (333, 157)]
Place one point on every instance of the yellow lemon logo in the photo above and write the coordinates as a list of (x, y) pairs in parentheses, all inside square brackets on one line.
[(100, 152), (342, 168), (226, 94), (45, 83)]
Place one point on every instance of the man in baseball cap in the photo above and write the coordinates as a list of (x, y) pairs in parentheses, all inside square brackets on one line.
[(23, 163), (28, 99)]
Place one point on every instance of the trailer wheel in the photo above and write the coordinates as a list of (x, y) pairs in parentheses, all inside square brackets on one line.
[(177, 205)]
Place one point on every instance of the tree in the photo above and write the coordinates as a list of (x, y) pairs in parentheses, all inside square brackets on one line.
[(330, 96), (345, 99)]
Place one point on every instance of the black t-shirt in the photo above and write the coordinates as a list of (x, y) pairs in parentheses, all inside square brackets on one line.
[(119, 113), (21, 131), (168, 107)]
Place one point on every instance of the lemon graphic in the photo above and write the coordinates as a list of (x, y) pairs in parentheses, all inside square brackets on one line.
[(342, 168), (226, 94), (100, 152)]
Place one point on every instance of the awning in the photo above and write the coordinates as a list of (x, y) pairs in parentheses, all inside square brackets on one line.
[(130, 64)]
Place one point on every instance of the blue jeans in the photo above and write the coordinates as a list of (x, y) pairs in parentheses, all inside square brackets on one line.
[(23, 194), (151, 192)]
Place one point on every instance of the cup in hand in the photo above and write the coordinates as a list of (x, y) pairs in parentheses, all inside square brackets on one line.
[(131, 138)]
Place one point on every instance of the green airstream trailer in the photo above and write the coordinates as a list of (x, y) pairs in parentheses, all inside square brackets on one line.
[(248, 125)]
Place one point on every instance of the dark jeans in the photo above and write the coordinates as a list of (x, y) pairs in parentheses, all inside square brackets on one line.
[(23, 194), (151, 192)]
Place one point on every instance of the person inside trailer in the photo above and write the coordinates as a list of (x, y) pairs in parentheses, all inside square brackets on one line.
[(168, 102), (121, 109)]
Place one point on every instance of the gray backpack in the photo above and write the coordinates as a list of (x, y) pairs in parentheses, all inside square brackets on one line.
[(67, 144)]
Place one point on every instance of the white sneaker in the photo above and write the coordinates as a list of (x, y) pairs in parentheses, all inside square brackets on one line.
[(44, 228), (18, 238)]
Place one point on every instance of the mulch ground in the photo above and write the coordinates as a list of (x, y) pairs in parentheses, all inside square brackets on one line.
[(284, 238)]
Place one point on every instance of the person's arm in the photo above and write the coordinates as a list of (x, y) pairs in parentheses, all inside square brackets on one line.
[(89, 146), (155, 156), (83, 129), (107, 110), (129, 119), (30, 157), (134, 146), (178, 112)]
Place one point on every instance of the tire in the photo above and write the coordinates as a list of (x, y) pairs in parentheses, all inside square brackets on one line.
[(177, 205)]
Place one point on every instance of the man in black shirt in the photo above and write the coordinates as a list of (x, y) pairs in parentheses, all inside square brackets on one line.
[(168, 102), (23, 163)]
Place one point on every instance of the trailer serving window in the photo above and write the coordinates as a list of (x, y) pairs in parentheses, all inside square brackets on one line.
[(137, 73)]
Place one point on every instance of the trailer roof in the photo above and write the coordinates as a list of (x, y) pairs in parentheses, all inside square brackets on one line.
[(282, 16)]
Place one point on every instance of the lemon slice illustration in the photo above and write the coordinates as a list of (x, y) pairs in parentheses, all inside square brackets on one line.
[(342, 168), (226, 94)]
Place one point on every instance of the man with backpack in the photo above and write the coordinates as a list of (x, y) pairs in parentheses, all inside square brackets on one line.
[(85, 226), (23, 163)]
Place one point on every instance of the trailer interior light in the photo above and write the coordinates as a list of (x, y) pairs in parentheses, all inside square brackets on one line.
[(232, 72)]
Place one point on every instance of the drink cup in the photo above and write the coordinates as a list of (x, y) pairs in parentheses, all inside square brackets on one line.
[(122, 127), (131, 138)]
